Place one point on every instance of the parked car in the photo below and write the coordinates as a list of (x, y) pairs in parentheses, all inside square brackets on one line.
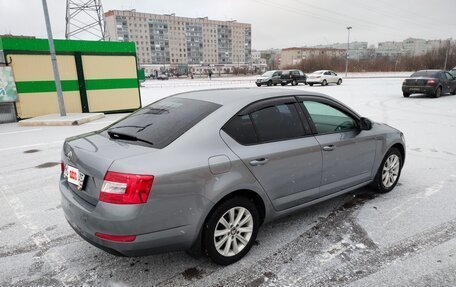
[(453, 72), (294, 77), (433, 83), (204, 169), (323, 77), (269, 78), (162, 76)]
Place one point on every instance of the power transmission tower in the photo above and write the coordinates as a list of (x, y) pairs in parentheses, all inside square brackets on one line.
[(84, 19)]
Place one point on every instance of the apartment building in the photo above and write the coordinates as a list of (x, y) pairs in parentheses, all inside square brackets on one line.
[(173, 40)]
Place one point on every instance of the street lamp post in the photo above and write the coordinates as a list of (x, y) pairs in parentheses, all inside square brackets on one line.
[(348, 48), (58, 85)]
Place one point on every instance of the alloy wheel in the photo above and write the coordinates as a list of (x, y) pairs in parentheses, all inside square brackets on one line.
[(390, 171), (233, 231)]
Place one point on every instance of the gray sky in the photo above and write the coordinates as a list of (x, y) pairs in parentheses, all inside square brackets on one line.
[(275, 24)]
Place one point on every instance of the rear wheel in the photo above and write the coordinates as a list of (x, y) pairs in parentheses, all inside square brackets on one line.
[(283, 84), (389, 171), (324, 83), (438, 92), (258, 85), (454, 92), (275, 84), (406, 95), (339, 81), (310, 84), (231, 230)]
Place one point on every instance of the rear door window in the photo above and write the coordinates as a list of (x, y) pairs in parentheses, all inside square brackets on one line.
[(240, 128), (277, 122), (162, 122)]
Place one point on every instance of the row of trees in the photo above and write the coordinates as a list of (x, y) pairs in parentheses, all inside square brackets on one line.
[(432, 60)]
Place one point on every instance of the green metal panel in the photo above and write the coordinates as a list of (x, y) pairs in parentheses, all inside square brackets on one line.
[(64, 46), (141, 75), (45, 86), (73, 85), (107, 84)]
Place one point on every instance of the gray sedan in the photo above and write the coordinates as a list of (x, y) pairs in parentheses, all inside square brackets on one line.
[(202, 170)]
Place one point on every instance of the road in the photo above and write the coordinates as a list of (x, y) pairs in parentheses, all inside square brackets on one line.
[(403, 238)]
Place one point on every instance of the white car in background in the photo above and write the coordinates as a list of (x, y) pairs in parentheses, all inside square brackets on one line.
[(323, 77)]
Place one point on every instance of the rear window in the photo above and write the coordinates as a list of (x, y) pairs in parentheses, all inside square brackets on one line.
[(432, 74), (164, 121)]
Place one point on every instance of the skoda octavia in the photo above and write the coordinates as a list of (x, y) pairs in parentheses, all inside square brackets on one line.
[(203, 170)]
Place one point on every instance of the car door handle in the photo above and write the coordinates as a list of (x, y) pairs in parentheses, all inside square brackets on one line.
[(259, 161), (330, 147)]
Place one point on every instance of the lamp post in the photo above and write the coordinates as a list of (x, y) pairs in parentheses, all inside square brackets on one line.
[(348, 48), (58, 85)]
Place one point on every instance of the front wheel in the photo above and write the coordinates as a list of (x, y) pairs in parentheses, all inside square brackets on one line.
[(283, 84), (339, 81), (295, 83), (310, 84), (454, 92), (231, 230), (389, 171), (406, 95), (269, 83), (258, 85)]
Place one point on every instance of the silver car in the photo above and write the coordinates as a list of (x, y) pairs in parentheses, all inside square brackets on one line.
[(203, 170)]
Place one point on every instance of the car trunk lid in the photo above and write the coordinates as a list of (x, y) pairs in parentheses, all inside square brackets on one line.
[(92, 155)]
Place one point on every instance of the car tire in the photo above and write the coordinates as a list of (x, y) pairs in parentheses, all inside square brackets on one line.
[(283, 84), (339, 82), (223, 219), (310, 84), (324, 83), (390, 169), (295, 83), (258, 85), (406, 95), (454, 92), (269, 83), (275, 84), (438, 92)]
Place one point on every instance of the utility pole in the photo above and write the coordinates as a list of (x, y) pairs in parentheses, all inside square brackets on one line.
[(58, 85), (348, 49), (446, 55)]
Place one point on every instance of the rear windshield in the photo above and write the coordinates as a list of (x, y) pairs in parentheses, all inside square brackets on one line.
[(162, 122), (432, 74)]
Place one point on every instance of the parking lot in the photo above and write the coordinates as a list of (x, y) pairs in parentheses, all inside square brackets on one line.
[(406, 237)]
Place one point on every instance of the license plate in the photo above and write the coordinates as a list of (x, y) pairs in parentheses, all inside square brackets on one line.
[(415, 89), (74, 176)]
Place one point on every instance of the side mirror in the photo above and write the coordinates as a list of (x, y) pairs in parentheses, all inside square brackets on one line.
[(365, 124)]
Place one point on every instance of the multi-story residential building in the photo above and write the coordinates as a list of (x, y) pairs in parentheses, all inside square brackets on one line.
[(173, 40), (389, 49), (293, 56), (358, 50)]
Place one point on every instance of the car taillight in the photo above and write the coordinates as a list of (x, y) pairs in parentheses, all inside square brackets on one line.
[(430, 82), (62, 167), (117, 238), (123, 188)]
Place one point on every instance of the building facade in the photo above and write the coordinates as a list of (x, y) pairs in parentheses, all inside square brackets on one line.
[(293, 56), (173, 40)]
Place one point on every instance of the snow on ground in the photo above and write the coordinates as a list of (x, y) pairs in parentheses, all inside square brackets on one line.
[(405, 238)]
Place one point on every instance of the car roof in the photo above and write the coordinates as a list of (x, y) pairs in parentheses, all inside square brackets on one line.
[(225, 96)]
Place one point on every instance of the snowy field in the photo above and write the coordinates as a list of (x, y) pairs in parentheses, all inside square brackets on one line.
[(404, 238)]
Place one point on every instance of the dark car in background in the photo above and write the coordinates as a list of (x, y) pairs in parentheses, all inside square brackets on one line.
[(294, 77), (453, 72), (269, 78), (430, 82)]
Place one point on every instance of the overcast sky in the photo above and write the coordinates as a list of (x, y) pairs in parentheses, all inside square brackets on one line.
[(275, 24)]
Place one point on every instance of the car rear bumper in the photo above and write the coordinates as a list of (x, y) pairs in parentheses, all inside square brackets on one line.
[(418, 89), (314, 81), (114, 219)]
